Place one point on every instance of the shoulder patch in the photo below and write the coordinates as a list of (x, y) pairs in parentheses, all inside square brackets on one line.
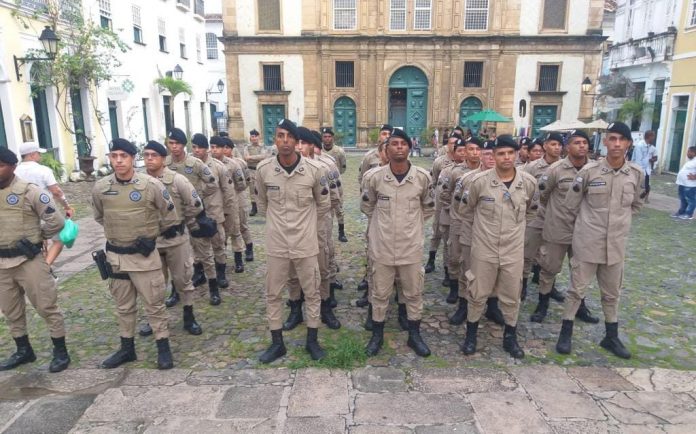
[(165, 194), (206, 171), (43, 198), (12, 199), (188, 170)]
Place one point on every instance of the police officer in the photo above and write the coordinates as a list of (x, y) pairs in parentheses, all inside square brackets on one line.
[(29, 216), (440, 164), (523, 153), (134, 209), (254, 153), (398, 200), (603, 197), (339, 155), (500, 197), (230, 151), (293, 194)]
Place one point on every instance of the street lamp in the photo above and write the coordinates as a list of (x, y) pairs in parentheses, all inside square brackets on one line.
[(178, 72), (586, 86), (49, 40), (220, 86)]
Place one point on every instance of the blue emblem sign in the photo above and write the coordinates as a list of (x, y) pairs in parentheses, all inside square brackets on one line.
[(44, 198), (135, 196), (12, 199)]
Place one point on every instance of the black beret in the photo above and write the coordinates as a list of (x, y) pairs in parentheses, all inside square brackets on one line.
[(289, 126), (317, 136), (253, 132), (157, 147), (579, 133), (488, 145), (554, 136), (123, 145), (475, 140), (537, 141), (200, 140), (306, 136), (7, 156), (620, 128), (327, 130), (228, 142), (459, 143), (396, 132), (217, 141), (525, 141), (455, 136), (177, 135), (386, 127), (506, 141), (223, 134)]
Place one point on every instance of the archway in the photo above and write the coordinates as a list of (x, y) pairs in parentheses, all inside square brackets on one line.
[(468, 107), (344, 120), (408, 100)]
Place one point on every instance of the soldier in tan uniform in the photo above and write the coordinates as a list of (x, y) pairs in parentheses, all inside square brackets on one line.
[(500, 197), (536, 150), (558, 222), (603, 196), (29, 216), (398, 200), (254, 153), (230, 151), (523, 153), (339, 155), (134, 209), (293, 195)]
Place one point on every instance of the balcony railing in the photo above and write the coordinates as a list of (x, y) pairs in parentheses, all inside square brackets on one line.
[(651, 49), (199, 7)]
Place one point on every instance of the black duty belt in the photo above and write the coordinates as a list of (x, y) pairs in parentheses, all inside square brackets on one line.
[(129, 250), (173, 231), (15, 252)]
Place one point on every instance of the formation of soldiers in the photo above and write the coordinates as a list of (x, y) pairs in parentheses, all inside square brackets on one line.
[(500, 209)]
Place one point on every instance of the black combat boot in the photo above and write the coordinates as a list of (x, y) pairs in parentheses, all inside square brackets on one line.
[(493, 312), (254, 210), (460, 315), (536, 270), (342, 233), (415, 341), (563, 345), (214, 292), (328, 317), (363, 285), (362, 301), (220, 273), (523, 296), (510, 342), (238, 262), (249, 253), (430, 266), (24, 354), (173, 298), (403, 316), (368, 321), (377, 339), (61, 358), (145, 330), (611, 341), (446, 280), (332, 297), (469, 345), (453, 292), (295, 318), (312, 345), (584, 314), (541, 309), (336, 285), (276, 350), (190, 324), (124, 354), (164, 354), (556, 294), (198, 277)]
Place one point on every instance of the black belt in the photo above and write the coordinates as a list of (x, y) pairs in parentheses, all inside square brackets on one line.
[(119, 276), (15, 252), (173, 231), (130, 250)]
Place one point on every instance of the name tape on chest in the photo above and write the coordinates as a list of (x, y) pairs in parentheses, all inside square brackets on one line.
[(597, 183)]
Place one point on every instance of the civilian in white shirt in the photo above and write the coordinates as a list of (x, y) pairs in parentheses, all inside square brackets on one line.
[(645, 155), (31, 171), (686, 181)]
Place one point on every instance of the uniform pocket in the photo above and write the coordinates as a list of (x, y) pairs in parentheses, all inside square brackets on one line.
[(628, 194), (304, 198), (597, 197)]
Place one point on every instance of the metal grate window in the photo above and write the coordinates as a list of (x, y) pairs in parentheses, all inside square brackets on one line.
[(269, 15), (421, 15), (397, 15), (548, 78), (692, 14), (473, 74), (271, 78), (344, 14), (211, 45), (555, 14), (345, 74), (476, 15)]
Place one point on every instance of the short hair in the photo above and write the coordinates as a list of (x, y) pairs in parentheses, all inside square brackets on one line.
[(535, 143), (649, 133), (691, 148)]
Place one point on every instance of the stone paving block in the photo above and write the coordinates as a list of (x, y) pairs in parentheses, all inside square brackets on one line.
[(39, 383), (51, 415), (460, 428), (84, 427), (679, 429), (661, 379), (462, 380), (244, 377), (259, 402), (319, 425), (150, 377), (585, 427), (379, 429), (411, 408), (507, 413), (319, 393), (557, 394), (204, 426), (600, 379), (131, 403), (379, 379), (8, 410), (652, 408)]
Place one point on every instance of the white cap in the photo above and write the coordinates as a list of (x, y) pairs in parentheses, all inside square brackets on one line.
[(29, 147)]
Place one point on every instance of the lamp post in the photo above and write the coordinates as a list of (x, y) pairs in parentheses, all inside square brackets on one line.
[(220, 86), (49, 40)]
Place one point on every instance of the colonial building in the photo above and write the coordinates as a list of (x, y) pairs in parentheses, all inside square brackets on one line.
[(416, 64), (215, 64)]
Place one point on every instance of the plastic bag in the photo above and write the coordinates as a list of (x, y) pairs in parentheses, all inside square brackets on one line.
[(69, 233)]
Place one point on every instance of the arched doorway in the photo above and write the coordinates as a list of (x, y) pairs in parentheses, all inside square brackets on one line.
[(468, 107), (344, 120), (408, 100)]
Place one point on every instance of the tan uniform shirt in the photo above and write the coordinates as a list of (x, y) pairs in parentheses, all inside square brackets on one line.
[(604, 203), (536, 168), (335, 192), (223, 200), (438, 165), (236, 171), (293, 204), (500, 217), (244, 195), (196, 172), (559, 220), (186, 202), (397, 212), (339, 155), (460, 210), (369, 161), (445, 188), (254, 154)]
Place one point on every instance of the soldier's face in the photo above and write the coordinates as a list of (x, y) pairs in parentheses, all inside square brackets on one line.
[(153, 160), (504, 158), (199, 152), (523, 153), (6, 172), (305, 148), (383, 135), (487, 160), (175, 148), (473, 154), (460, 154), (122, 162), (616, 144), (227, 151), (535, 153), (397, 150), (254, 139), (285, 142), (450, 144), (217, 151), (383, 158), (327, 139), (553, 148), (577, 147)]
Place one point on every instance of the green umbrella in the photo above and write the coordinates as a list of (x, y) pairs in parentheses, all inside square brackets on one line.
[(488, 116)]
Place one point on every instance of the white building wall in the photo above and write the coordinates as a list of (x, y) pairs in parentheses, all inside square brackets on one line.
[(531, 14), (635, 18), (290, 17), (216, 67)]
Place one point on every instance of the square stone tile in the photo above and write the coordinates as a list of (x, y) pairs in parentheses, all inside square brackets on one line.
[(51, 415), (640, 408), (507, 413), (323, 425), (260, 402), (411, 408), (379, 379), (600, 379), (319, 393), (462, 380)]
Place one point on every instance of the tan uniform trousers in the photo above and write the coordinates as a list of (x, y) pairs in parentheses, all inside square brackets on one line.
[(177, 262), (485, 278), (34, 279), (233, 231), (207, 251), (532, 242), (322, 259), (411, 276), (455, 256), (551, 256), (437, 235), (244, 224), (331, 251), (464, 265), (444, 234), (252, 184), (151, 287), (277, 272), (338, 212), (609, 279)]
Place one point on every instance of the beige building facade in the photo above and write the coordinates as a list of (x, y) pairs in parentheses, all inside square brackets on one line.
[(417, 64)]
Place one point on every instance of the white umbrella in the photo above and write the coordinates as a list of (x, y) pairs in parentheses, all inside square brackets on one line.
[(598, 124), (565, 126)]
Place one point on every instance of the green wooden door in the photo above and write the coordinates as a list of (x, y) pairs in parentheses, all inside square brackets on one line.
[(344, 120), (468, 107), (3, 134), (113, 119), (415, 83), (677, 140), (79, 122), (272, 114), (43, 125), (542, 116)]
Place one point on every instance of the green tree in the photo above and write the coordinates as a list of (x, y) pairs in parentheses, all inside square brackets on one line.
[(174, 87)]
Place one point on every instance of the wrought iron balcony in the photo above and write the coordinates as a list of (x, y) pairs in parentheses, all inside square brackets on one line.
[(651, 49)]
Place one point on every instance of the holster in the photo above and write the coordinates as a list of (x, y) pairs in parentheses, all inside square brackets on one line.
[(28, 249), (105, 269)]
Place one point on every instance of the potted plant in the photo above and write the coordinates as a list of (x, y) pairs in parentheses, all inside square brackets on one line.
[(84, 154)]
